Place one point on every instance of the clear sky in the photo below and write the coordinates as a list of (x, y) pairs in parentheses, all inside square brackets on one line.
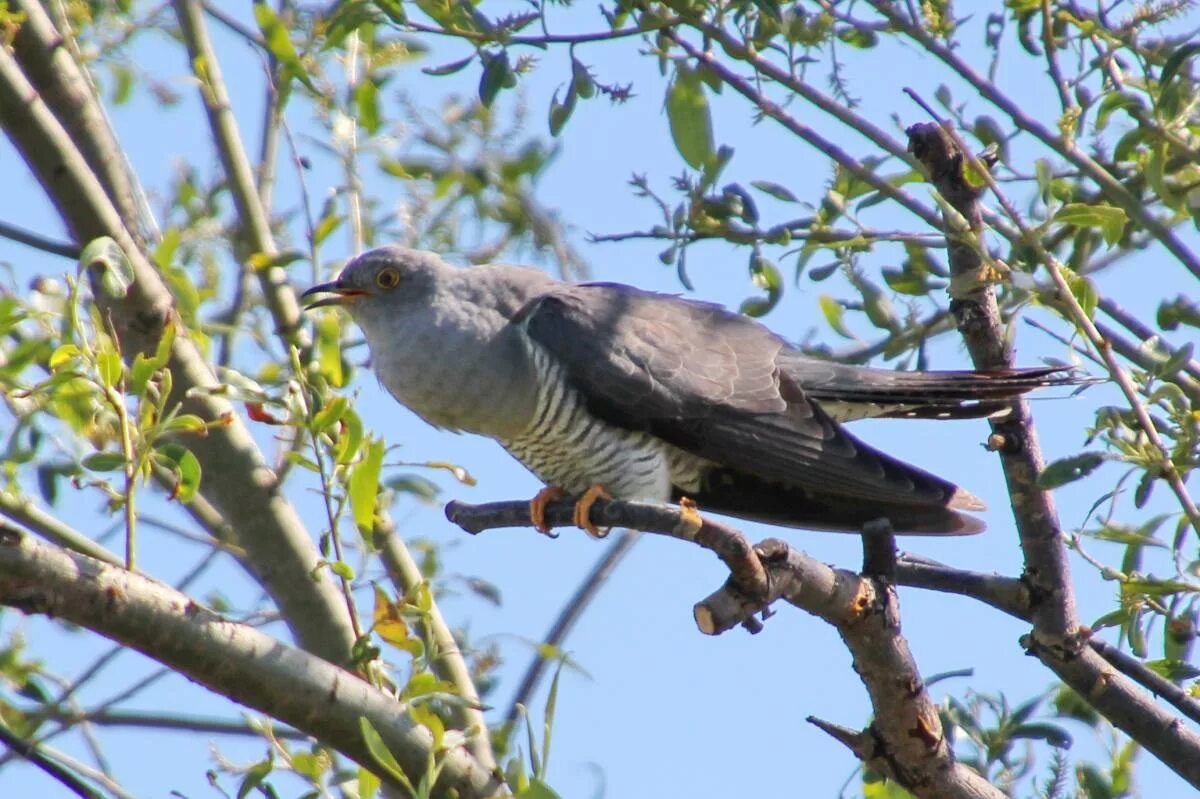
[(661, 710)]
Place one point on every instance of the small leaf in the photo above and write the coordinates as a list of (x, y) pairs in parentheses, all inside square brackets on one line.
[(449, 69), (104, 462), (834, 315), (368, 784), (342, 569), (186, 468), (1068, 470), (497, 73), (536, 789), (64, 355), (381, 754), (561, 112), (366, 102), (254, 776), (1177, 361), (1050, 733), (330, 415), (186, 423), (364, 486), (388, 623), (278, 41), (775, 190), (261, 261), (689, 118), (420, 487), (1175, 61), (1109, 219)]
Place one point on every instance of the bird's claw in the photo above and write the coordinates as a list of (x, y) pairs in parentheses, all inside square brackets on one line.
[(583, 510), (537, 508), (690, 520)]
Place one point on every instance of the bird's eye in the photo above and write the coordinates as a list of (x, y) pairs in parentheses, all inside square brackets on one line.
[(388, 279)]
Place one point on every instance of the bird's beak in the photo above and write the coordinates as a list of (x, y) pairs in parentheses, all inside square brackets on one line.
[(342, 295)]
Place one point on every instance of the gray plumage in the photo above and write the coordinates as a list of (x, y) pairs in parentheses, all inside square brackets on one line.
[(656, 397)]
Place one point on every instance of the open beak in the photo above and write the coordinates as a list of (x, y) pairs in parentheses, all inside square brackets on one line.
[(342, 295)]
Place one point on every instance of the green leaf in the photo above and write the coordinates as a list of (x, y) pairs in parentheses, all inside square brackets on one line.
[(64, 355), (1050, 733), (366, 101), (775, 190), (329, 349), (260, 261), (108, 267), (1177, 360), (279, 42), (834, 315), (255, 775), (449, 69), (1109, 219), (1084, 291), (381, 754), (497, 74), (350, 438), (342, 569), (536, 789), (561, 112), (328, 224), (1068, 470), (582, 80), (1173, 669), (1175, 61), (104, 462), (180, 460), (368, 784), (364, 486), (330, 415), (186, 423), (420, 487), (690, 118)]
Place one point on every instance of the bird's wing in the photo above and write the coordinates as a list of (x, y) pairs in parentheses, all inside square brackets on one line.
[(709, 382)]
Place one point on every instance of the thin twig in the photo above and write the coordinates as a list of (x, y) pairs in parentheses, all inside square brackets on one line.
[(39, 242), (562, 626), (60, 775)]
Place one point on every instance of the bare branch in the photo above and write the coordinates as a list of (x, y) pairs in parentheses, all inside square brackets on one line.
[(232, 659), (237, 481), (908, 743), (1058, 639), (572, 609)]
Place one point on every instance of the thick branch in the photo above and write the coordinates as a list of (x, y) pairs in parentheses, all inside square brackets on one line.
[(255, 225), (907, 743), (235, 660), (68, 90), (1057, 639), (237, 480)]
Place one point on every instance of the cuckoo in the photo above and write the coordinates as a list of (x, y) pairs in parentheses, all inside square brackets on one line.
[(602, 389)]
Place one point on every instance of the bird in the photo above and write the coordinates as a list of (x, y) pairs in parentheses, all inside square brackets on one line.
[(604, 390)]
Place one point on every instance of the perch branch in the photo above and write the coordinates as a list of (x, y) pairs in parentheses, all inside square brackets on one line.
[(908, 744)]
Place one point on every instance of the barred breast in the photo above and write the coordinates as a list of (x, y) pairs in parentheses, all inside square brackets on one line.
[(568, 447)]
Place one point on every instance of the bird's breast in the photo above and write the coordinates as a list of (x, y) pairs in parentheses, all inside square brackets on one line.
[(567, 446)]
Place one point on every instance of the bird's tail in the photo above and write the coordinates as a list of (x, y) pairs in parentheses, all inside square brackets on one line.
[(855, 392)]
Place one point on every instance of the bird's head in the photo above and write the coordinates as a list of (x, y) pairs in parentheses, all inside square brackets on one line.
[(381, 282)]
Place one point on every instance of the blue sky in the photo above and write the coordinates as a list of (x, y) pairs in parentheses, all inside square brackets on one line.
[(661, 710)]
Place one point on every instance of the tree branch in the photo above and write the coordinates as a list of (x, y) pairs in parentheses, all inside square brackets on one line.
[(1057, 639), (237, 481), (907, 740), (232, 659)]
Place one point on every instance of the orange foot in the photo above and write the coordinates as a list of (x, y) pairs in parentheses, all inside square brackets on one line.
[(690, 520), (583, 510), (537, 507)]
